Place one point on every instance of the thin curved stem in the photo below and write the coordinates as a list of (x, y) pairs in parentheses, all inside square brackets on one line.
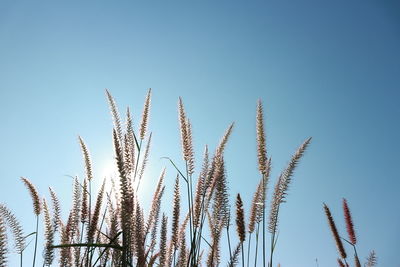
[(36, 239)]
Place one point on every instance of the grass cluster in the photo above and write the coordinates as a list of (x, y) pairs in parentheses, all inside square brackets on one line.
[(110, 228)]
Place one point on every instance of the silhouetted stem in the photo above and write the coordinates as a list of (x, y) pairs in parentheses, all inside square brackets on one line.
[(229, 242), (86, 244), (248, 250), (36, 239), (257, 231)]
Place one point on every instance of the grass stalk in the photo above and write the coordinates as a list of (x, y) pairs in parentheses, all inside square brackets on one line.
[(257, 232), (229, 242), (263, 219), (248, 250), (36, 240)]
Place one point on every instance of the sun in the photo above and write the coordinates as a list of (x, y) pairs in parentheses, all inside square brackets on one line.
[(109, 172)]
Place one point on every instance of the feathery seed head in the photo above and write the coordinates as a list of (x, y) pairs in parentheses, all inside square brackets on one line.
[(163, 241), (262, 150), (371, 259), (84, 207), (56, 210), (349, 222), (340, 263), (15, 227), (190, 151), (240, 225), (34, 194), (86, 158), (3, 244), (335, 233), (176, 213), (282, 186), (145, 115), (115, 115), (49, 235)]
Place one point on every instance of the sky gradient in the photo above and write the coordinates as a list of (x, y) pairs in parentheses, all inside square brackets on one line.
[(326, 69)]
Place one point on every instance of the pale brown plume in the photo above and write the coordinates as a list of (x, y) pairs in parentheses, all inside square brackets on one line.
[(261, 143), (34, 194), (145, 116)]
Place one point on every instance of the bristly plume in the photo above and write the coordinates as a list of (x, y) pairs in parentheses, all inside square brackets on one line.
[(139, 236), (76, 207), (349, 222), (216, 231), (340, 263), (65, 258), (183, 129), (163, 241), (56, 210), (198, 200), (84, 207), (235, 256), (190, 151), (335, 233), (282, 186), (221, 205), (126, 191), (115, 115), (155, 217), (261, 143), (152, 221), (3, 244), (144, 161), (371, 259), (86, 158), (176, 213), (49, 236), (357, 262), (183, 226), (96, 215), (240, 225), (182, 258), (216, 162), (145, 115), (224, 140), (34, 194), (256, 208), (15, 227), (130, 143)]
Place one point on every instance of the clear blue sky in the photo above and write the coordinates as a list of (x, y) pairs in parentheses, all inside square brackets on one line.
[(327, 69)]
